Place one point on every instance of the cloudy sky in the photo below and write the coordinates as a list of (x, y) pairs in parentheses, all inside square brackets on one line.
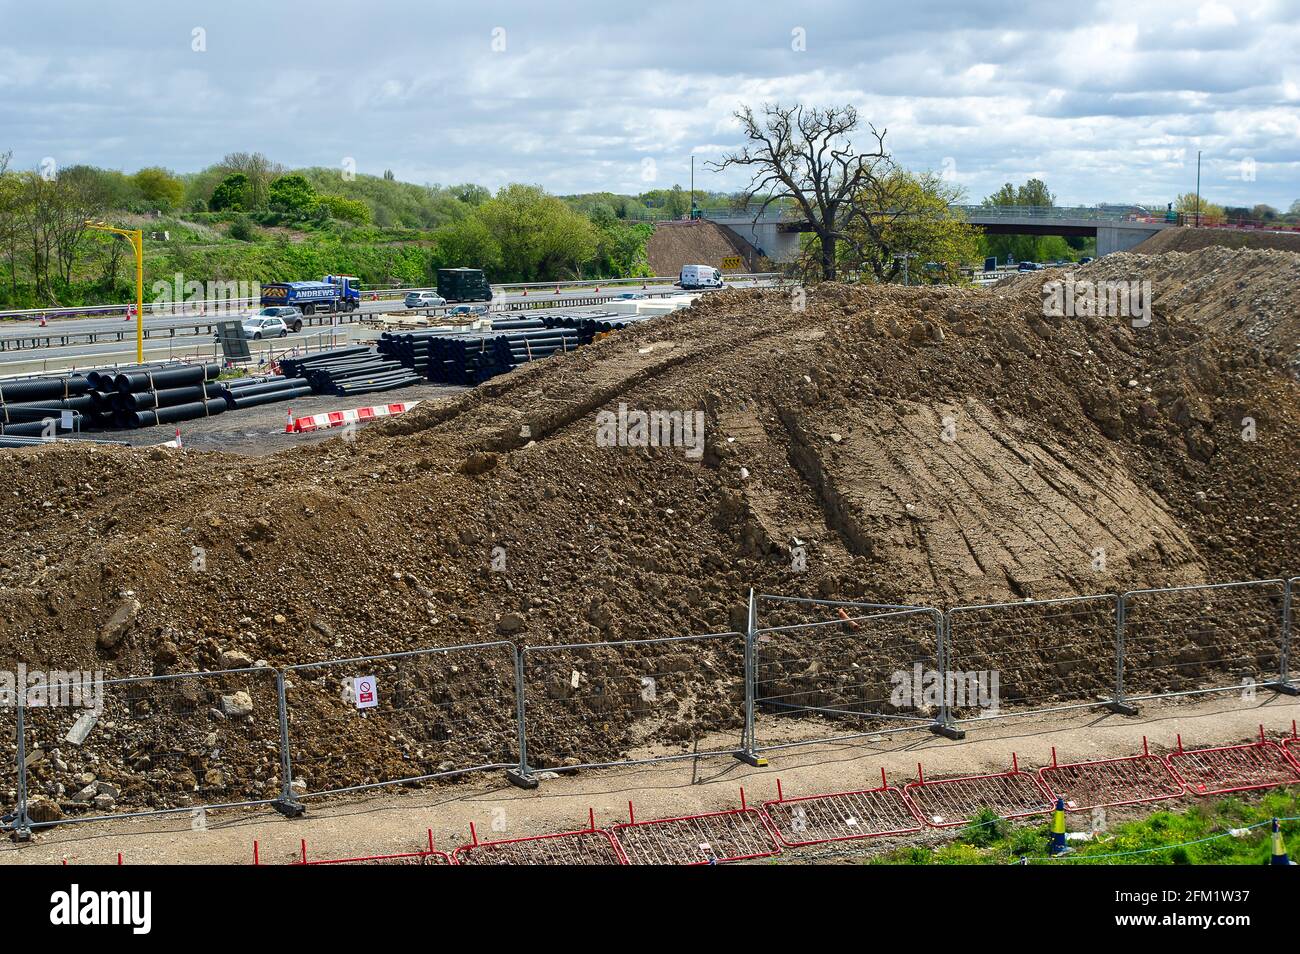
[(1106, 101)]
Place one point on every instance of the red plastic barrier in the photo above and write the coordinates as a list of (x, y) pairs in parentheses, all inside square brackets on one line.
[(842, 816), (710, 838), (589, 846), (1234, 768), (1292, 745), (950, 802), (431, 856), (1107, 783)]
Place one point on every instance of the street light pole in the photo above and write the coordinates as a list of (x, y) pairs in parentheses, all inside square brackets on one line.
[(136, 238)]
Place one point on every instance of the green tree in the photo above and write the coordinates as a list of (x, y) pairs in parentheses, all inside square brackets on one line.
[(291, 196), (159, 187), (1188, 203), (908, 213), (467, 243), (231, 194), (540, 237), (344, 209)]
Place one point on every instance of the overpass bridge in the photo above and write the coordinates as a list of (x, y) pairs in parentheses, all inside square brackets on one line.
[(775, 232)]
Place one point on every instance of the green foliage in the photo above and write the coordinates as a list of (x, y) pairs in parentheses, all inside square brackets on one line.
[(231, 194), (292, 196), (344, 209), (1199, 835), (985, 828), (159, 188), (242, 229)]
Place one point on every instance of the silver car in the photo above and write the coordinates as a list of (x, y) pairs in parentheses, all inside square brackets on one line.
[(425, 299)]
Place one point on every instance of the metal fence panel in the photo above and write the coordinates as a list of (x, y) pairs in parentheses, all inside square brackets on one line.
[(868, 671), (159, 744), (430, 713), (1219, 637), (592, 705), (1031, 656)]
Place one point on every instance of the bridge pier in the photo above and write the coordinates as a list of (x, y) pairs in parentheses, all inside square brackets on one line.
[(1112, 239)]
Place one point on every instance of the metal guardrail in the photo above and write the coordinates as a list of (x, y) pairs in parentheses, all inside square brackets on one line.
[(244, 737)]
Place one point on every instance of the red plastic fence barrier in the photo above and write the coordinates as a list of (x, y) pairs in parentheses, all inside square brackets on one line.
[(842, 816), (1292, 745), (430, 856), (1106, 783), (1233, 768), (950, 802), (589, 846), (710, 838)]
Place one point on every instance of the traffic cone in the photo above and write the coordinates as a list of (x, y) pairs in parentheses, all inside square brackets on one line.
[(557, 289), (525, 292), (179, 445), (1279, 846), (288, 426), (1057, 844)]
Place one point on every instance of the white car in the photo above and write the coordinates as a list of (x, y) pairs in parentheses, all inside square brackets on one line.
[(259, 328), (425, 299)]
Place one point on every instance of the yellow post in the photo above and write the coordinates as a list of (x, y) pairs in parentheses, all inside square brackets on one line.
[(136, 238)]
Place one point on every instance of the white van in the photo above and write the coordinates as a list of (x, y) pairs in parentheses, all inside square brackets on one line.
[(700, 276)]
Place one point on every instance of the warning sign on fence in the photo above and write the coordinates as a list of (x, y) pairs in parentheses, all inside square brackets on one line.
[(365, 692)]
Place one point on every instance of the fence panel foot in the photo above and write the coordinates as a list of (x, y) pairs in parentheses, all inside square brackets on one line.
[(948, 731), (749, 758), (289, 807), (521, 779), (1285, 688), (1121, 708)]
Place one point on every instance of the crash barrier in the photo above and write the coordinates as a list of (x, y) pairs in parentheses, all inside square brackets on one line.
[(804, 671), (884, 811)]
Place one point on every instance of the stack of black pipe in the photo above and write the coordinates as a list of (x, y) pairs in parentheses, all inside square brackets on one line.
[(347, 371), (591, 324), (265, 389), (149, 395), (26, 404)]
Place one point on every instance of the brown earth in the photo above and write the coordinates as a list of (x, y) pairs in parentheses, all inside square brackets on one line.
[(1191, 240), (825, 428), (1251, 291), (700, 242)]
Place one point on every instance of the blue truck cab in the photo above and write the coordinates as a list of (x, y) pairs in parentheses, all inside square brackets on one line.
[(332, 293)]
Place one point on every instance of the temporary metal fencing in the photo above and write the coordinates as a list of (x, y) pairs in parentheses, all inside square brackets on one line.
[(810, 671), (868, 670), (1220, 637), (642, 700), (399, 718), (1032, 656), (172, 743)]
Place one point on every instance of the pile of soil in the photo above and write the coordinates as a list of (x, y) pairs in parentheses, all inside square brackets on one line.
[(1250, 291), (921, 445), (698, 242), (1191, 240)]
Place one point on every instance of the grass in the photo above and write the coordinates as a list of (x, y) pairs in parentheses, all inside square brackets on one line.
[(1195, 835)]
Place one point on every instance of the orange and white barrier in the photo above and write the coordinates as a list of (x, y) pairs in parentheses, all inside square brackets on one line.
[(316, 422)]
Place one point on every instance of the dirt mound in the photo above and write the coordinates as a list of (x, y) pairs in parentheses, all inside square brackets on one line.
[(933, 445), (1247, 291), (700, 242), (1191, 240)]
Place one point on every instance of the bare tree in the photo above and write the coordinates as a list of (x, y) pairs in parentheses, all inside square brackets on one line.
[(805, 156)]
